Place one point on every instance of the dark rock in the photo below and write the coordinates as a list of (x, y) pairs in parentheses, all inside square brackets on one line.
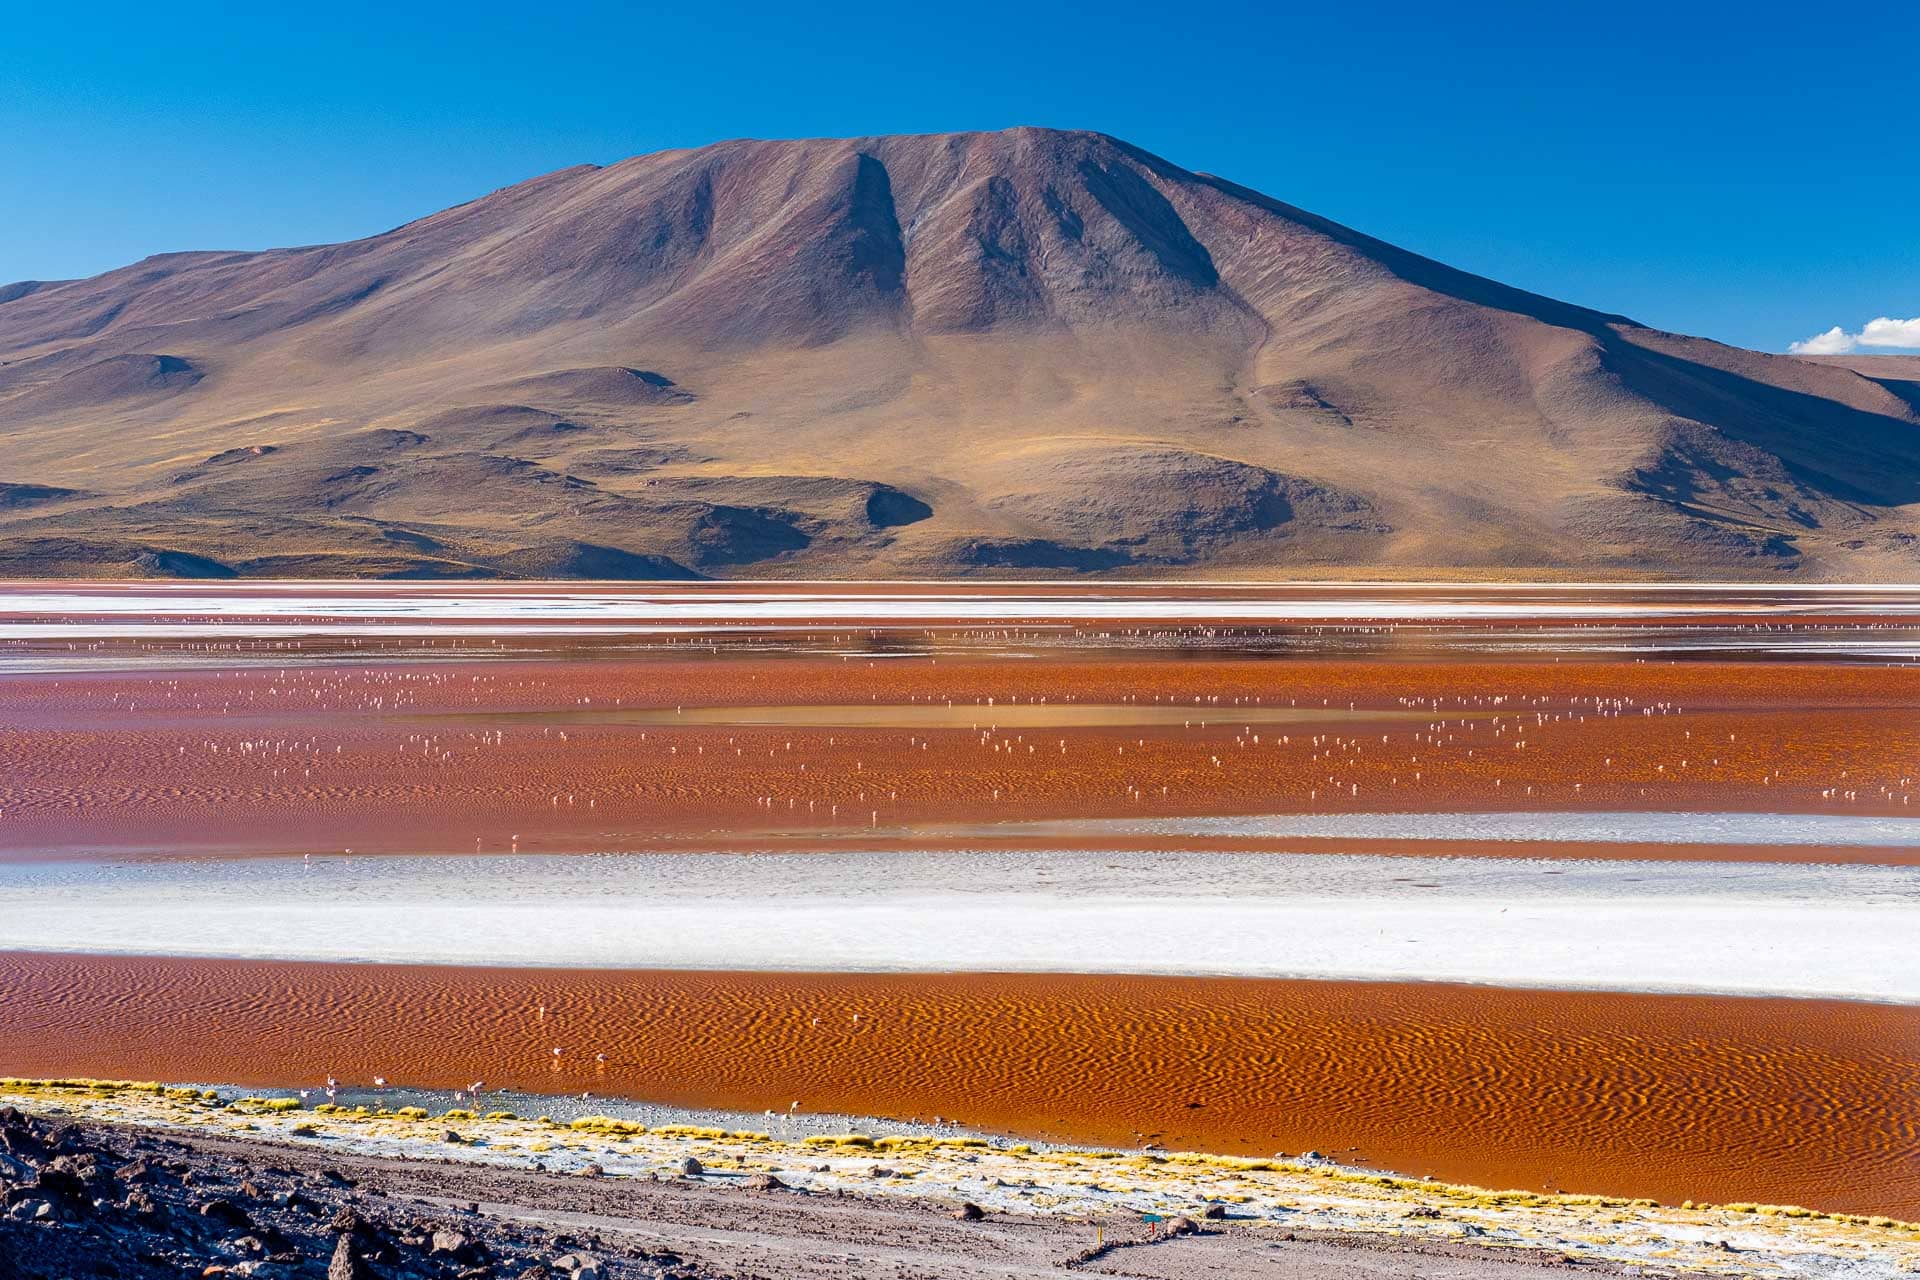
[(62, 1184), (692, 1168), (227, 1214), (346, 1264), (1214, 1212), (347, 1222), (968, 1212)]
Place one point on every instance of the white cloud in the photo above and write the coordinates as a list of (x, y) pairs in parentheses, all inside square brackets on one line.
[(1886, 332), (1833, 342)]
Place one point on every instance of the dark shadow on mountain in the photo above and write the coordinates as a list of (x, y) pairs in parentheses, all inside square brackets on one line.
[(1845, 453)]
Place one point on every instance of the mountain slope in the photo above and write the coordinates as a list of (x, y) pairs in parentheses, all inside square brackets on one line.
[(1019, 352)]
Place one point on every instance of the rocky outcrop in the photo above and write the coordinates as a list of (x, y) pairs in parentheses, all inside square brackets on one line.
[(134, 1206)]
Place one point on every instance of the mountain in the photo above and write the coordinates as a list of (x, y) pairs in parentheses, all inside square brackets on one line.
[(1029, 352)]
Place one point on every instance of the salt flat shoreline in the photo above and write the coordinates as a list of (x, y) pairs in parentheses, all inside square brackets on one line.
[(793, 1196), (1829, 931)]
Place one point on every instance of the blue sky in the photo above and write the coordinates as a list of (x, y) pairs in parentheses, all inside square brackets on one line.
[(1747, 171)]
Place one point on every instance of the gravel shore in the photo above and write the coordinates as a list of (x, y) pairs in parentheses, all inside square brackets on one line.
[(144, 1181)]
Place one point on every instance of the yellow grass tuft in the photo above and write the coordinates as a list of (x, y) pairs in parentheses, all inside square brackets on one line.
[(607, 1125)]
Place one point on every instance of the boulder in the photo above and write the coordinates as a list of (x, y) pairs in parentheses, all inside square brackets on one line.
[(227, 1214), (762, 1182), (57, 1183), (1182, 1226), (968, 1212), (578, 1266), (345, 1263), (692, 1168), (448, 1243)]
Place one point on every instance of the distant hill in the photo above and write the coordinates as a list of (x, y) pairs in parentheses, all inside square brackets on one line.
[(1029, 352)]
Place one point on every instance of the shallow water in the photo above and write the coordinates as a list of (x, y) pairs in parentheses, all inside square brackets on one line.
[(180, 746), (1809, 829)]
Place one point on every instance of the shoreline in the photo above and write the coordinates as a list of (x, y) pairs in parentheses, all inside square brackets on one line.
[(1671, 1096), (1259, 1198)]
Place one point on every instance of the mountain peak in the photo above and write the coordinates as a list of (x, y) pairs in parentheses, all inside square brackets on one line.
[(1070, 354)]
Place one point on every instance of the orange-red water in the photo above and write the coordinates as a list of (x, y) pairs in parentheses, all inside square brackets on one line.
[(1785, 1101), (547, 756)]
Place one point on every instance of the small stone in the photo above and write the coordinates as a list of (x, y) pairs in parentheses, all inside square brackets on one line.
[(451, 1244), (578, 1266)]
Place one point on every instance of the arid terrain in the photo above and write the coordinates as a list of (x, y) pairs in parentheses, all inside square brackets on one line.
[(996, 354)]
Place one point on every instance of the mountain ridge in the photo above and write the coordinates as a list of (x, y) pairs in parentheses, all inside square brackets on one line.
[(1073, 356)]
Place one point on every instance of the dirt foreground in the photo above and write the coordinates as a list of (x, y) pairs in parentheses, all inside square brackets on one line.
[(142, 1181)]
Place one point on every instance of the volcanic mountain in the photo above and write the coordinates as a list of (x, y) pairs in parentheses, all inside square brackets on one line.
[(1029, 352)]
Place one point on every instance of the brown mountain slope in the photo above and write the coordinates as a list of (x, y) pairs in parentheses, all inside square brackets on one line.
[(1030, 351)]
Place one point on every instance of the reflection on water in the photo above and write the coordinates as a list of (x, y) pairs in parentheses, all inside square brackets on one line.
[(42, 626), (1805, 829), (975, 715), (261, 720)]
